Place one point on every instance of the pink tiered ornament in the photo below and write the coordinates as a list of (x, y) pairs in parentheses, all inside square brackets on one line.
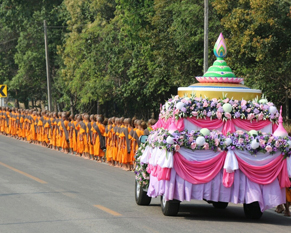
[(172, 127), (280, 131)]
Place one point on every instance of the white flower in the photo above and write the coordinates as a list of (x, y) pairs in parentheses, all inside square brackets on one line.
[(227, 141), (170, 140), (200, 141), (255, 144)]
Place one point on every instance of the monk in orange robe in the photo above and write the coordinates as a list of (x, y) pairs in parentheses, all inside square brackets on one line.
[(64, 135), (98, 131)]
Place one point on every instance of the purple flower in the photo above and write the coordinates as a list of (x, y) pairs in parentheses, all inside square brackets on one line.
[(209, 114), (213, 104), (266, 107), (237, 114), (244, 107), (184, 109), (220, 109), (256, 111)]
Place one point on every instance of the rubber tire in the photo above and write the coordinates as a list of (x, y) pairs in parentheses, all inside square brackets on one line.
[(253, 210), (170, 208), (141, 197), (220, 205)]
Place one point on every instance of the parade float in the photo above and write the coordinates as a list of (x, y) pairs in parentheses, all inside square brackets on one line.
[(217, 141)]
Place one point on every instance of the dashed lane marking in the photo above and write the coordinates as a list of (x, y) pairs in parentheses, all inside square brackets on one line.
[(23, 173), (109, 211)]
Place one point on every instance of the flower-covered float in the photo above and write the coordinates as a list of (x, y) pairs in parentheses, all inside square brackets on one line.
[(217, 141)]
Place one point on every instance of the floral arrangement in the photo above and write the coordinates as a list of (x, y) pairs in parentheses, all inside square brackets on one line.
[(251, 141), (141, 174), (224, 108), (260, 142), (194, 140)]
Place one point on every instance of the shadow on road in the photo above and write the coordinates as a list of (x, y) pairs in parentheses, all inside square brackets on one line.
[(206, 212)]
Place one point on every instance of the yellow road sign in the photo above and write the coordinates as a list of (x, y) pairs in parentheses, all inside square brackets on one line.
[(3, 90)]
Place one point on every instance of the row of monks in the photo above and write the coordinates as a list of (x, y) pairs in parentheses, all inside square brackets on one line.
[(89, 136)]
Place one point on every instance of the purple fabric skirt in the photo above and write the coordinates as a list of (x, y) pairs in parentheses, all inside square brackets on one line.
[(243, 190)]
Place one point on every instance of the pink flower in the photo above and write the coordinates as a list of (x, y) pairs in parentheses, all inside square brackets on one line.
[(248, 110), (243, 103), (226, 100), (191, 108), (218, 105), (193, 145), (277, 144), (234, 105), (194, 113), (270, 139), (228, 115), (240, 132), (262, 142), (251, 116), (270, 103), (219, 115), (217, 141), (177, 147), (214, 100), (268, 148), (176, 97), (184, 101), (198, 98), (191, 139), (240, 140), (204, 112), (176, 111), (205, 104), (206, 146), (236, 101), (260, 116)]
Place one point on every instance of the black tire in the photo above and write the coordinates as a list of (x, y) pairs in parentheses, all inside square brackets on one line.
[(220, 205), (253, 210), (141, 197), (170, 208)]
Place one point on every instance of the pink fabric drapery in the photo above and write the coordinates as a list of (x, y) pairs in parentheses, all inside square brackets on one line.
[(227, 126), (268, 173), (198, 172), (227, 179), (247, 125), (159, 172), (206, 123), (162, 123)]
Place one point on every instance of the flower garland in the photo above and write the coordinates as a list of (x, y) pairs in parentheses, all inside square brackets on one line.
[(194, 140), (260, 142), (224, 109), (252, 141), (141, 174)]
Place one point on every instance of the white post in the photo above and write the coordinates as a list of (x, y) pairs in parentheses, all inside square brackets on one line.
[(205, 36)]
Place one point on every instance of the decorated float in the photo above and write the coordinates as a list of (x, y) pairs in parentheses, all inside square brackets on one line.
[(217, 141)]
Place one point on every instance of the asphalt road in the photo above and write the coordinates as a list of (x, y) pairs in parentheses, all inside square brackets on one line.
[(47, 191)]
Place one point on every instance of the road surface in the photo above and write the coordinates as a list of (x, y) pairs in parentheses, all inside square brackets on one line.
[(42, 190)]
